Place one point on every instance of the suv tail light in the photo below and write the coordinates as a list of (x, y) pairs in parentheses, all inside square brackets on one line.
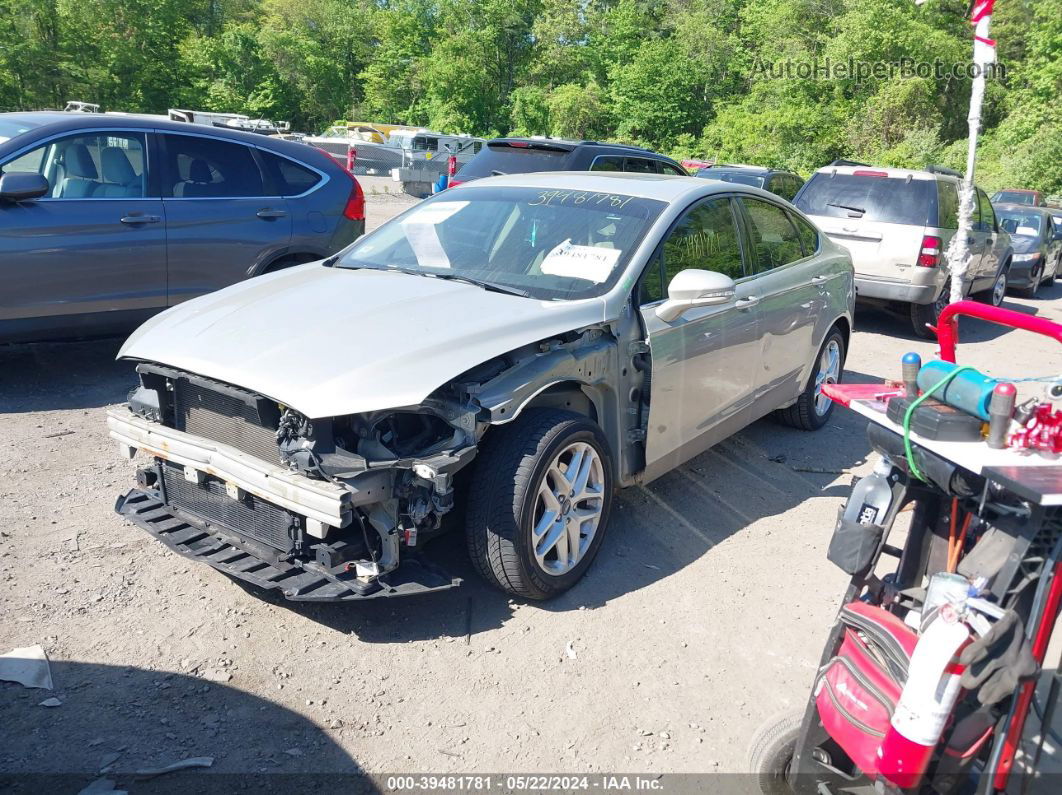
[(865, 173), (453, 183), (355, 207), (929, 256)]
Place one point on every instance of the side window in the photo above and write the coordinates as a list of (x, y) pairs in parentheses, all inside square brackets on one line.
[(774, 241), (103, 165), (809, 235), (607, 163), (988, 215), (424, 144), (706, 238), (947, 205), (290, 177), (210, 168), (785, 186), (639, 165), (667, 168)]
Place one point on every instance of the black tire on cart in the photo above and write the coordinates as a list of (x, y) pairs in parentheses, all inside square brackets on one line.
[(538, 502), (812, 409), (771, 752)]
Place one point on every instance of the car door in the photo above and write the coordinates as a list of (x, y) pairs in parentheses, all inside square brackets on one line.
[(791, 288), (90, 255), (221, 222), (703, 362), (986, 236)]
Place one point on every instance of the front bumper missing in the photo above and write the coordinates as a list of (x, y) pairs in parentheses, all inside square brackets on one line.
[(300, 581)]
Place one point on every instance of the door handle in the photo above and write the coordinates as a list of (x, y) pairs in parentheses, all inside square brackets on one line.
[(269, 212), (819, 279), (747, 303), (140, 219)]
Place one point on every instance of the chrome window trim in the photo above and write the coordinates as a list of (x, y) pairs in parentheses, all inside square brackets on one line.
[(90, 131), (325, 178)]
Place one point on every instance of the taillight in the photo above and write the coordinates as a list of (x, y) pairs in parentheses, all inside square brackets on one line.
[(865, 173), (453, 183), (355, 208), (929, 256)]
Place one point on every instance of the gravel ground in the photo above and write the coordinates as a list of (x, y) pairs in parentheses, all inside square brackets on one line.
[(704, 614)]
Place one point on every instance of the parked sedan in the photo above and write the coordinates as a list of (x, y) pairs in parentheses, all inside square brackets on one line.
[(517, 347), (1037, 243), (108, 219), (782, 183)]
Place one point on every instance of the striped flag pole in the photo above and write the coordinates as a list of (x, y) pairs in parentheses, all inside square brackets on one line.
[(984, 54)]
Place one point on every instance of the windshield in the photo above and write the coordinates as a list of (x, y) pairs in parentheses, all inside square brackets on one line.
[(9, 128), (538, 242), (1020, 223), (893, 200), (732, 176), (1015, 197)]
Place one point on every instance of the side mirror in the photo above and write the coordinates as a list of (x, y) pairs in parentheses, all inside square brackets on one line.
[(20, 186), (692, 288)]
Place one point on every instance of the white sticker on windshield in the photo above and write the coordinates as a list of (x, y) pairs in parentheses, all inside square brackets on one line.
[(423, 238), (433, 213), (581, 262)]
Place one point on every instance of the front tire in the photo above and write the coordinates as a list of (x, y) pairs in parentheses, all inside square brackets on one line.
[(812, 409), (771, 752), (538, 503), (998, 291)]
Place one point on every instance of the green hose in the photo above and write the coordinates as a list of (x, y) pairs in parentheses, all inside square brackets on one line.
[(910, 413)]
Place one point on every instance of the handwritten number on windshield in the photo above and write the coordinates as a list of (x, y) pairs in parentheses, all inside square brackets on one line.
[(578, 197)]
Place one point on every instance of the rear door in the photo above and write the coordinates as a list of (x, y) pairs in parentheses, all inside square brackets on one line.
[(984, 259), (791, 292), (91, 254), (221, 220), (880, 219)]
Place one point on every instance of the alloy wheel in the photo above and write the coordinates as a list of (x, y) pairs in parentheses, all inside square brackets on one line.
[(829, 373), (999, 289), (568, 507)]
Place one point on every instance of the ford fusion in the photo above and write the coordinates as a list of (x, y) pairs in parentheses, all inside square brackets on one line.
[(499, 358)]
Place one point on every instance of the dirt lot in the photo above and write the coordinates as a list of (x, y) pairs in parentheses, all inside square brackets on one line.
[(704, 613)]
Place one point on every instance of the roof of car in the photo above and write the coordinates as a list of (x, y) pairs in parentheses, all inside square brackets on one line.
[(1022, 207), (60, 121), (898, 173), (742, 167), (664, 187), (571, 143)]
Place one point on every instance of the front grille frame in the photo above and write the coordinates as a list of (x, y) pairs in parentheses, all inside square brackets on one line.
[(252, 518), (219, 412)]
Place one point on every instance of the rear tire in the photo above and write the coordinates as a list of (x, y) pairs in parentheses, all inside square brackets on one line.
[(771, 752), (518, 477), (925, 315), (811, 411)]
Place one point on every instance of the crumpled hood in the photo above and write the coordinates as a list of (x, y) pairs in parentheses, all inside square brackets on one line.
[(332, 341)]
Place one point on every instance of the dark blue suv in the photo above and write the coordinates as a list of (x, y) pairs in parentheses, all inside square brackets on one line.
[(106, 219)]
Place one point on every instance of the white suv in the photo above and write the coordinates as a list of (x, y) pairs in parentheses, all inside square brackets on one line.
[(897, 224)]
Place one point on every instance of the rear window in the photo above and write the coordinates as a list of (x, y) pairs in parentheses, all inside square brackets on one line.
[(1015, 197), (754, 180), (292, 178), (493, 160), (892, 200)]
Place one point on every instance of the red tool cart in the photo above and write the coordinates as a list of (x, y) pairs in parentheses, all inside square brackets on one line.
[(931, 669)]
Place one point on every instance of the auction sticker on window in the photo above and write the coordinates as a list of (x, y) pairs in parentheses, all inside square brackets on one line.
[(581, 262), (423, 238)]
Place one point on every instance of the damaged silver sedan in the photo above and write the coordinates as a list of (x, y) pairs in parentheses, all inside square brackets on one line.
[(500, 358)]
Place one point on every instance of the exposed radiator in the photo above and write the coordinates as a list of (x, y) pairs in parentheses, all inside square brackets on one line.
[(223, 418), (249, 516)]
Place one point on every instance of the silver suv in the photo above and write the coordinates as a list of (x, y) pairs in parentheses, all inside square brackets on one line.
[(897, 224)]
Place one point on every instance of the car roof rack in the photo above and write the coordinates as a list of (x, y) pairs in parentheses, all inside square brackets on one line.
[(932, 169)]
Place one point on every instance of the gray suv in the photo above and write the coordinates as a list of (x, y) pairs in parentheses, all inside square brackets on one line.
[(897, 224), (108, 219)]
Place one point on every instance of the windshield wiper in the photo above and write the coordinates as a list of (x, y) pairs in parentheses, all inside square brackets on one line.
[(493, 287), (859, 210)]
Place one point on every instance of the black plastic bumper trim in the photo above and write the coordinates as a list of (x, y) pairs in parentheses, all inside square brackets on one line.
[(297, 580)]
